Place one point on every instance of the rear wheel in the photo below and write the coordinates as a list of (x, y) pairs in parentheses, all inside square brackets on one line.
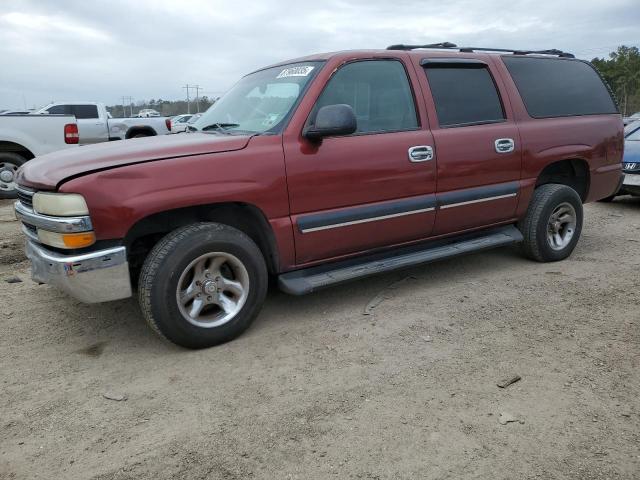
[(203, 285), (9, 164), (553, 223)]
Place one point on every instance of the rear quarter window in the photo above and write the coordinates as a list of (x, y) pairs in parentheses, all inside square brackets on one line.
[(552, 87), (84, 111)]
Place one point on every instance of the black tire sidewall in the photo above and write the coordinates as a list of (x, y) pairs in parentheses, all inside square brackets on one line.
[(16, 159), (560, 196), (164, 305)]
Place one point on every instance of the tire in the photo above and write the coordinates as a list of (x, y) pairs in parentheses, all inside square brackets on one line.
[(541, 242), (9, 164), (175, 264), (139, 135)]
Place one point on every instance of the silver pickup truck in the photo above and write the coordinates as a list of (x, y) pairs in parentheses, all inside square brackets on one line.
[(23, 137), (96, 125)]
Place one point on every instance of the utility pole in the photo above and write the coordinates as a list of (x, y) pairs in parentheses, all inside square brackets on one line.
[(198, 88), (124, 103), (187, 86)]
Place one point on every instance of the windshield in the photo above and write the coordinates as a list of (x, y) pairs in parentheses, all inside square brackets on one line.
[(260, 102)]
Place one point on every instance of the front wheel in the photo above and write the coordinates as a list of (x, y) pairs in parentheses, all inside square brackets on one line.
[(553, 223), (203, 285)]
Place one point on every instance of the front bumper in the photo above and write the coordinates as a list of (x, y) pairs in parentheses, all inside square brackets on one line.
[(95, 277), (630, 184)]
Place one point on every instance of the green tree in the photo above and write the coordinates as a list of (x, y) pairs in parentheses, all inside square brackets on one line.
[(622, 71)]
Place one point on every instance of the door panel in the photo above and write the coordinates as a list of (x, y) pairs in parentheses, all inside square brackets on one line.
[(476, 185), (91, 128), (349, 194), (477, 144), (356, 193)]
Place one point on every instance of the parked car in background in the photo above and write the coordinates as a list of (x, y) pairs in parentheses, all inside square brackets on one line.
[(16, 112), (631, 118), (148, 112), (22, 137), (324, 170), (179, 122), (630, 161), (96, 125)]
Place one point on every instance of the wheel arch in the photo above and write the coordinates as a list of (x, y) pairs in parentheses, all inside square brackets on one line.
[(133, 131), (244, 216), (573, 172), (6, 146)]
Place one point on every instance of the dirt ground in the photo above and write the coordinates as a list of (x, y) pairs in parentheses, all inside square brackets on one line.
[(318, 389)]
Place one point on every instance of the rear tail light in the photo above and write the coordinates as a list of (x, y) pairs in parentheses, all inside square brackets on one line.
[(71, 133), (167, 122)]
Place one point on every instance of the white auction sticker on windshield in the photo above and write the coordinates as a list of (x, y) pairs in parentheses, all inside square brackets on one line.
[(295, 72)]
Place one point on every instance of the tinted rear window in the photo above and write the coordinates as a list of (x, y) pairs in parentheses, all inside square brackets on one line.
[(84, 111), (464, 96), (557, 88)]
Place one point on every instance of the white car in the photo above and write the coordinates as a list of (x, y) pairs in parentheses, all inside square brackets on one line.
[(179, 122), (96, 125), (148, 112)]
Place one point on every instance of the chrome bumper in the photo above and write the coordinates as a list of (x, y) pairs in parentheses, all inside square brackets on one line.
[(94, 277)]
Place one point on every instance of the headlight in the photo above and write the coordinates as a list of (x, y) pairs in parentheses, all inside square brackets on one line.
[(60, 204)]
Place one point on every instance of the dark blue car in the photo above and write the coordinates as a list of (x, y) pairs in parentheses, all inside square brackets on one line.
[(631, 160)]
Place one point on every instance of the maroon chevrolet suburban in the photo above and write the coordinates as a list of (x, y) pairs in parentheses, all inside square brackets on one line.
[(322, 170)]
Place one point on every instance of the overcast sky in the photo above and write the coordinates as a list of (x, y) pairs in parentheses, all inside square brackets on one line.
[(66, 50)]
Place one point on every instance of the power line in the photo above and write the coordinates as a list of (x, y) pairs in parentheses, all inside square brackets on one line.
[(124, 99), (197, 88)]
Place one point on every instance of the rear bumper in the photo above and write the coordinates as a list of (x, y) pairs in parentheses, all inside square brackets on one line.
[(94, 277)]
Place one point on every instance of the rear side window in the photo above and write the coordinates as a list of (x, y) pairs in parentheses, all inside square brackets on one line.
[(84, 111), (558, 88), (464, 95), (379, 93)]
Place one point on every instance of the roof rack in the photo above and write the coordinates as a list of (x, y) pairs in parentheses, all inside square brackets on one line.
[(453, 46)]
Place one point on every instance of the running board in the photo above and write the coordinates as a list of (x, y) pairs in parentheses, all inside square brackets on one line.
[(300, 282)]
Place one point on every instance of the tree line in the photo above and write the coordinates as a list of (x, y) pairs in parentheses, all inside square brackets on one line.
[(166, 108), (622, 72)]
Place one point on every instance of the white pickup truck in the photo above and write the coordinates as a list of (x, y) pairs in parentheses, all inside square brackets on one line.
[(96, 125), (23, 137)]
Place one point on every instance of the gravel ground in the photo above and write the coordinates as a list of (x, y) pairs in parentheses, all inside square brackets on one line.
[(392, 377)]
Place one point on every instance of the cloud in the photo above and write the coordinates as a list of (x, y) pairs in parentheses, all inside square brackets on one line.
[(101, 50)]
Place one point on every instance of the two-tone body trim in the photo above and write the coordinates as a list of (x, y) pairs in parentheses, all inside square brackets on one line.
[(370, 213), (477, 195), (373, 213)]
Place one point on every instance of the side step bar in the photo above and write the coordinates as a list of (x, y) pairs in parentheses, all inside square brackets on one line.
[(300, 282)]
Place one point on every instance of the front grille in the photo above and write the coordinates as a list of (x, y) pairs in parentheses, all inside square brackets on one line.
[(631, 166), (25, 196)]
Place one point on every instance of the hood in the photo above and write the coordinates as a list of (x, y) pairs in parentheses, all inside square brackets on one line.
[(49, 171), (631, 151)]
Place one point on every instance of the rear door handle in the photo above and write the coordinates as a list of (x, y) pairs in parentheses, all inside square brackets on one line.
[(421, 153), (505, 145)]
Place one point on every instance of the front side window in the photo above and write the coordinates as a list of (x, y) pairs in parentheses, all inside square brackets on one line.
[(464, 95), (379, 93), (260, 102)]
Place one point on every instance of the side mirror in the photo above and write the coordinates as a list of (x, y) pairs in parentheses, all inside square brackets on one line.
[(332, 120)]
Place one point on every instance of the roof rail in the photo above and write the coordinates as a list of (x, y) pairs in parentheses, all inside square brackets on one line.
[(453, 46)]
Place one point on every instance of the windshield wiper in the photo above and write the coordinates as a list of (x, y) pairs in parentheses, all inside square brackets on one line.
[(219, 127)]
